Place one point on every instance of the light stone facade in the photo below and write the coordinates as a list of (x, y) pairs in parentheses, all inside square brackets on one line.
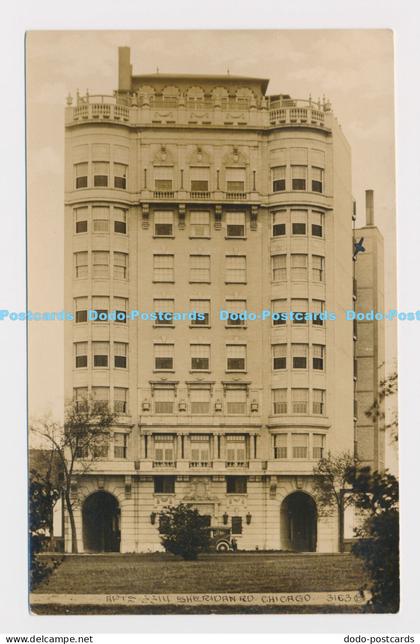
[(203, 193)]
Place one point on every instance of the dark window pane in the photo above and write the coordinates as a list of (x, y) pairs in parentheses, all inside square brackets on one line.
[(100, 361), (163, 230), (236, 484), (121, 316), (236, 525), (81, 316), (204, 322), (279, 363), (299, 363), (280, 320), (81, 361), (164, 484), (164, 363), (100, 312), (236, 364), (299, 229), (318, 321), (279, 229), (199, 186), (316, 230), (120, 227), (120, 362), (299, 184), (199, 363), (81, 182), (302, 321), (279, 185), (318, 363), (120, 182), (81, 226), (234, 230), (100, 180), (316, 186)]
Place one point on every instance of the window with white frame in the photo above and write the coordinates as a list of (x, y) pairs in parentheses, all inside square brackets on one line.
[(100, 263), (164, 357), (200, 268), (300, 399), (236, 401), (299, 356), (81, 220), (100, 304), (318, 356), (318, 308), (121, 308), (120, 176), (236, 449), (318, 402), (235, 180), (299, 174), (299, 218), (100, 396), (279, 352), (200, 448), (235, 357), (200, 400), (279, 223), (120, 265), (278, 177), (120, 355), (299, 307), (164, 223), (318, 273), (300, 444), (163, 268), (120, 221), (163, 176), (164, 445), (278, 307), (200, 357), (317, 179), (100, 174), (81, 306), (100, 351), (235, 224), (299, 267), (81, 175), (236, 269), (100, 219), (81, 263), (120, 445), (235, 307), (280, 446), (164, 310), (80, 396), (279, 401), (199, 178), (202, 307), (81, 351), (317, 219), (164, 400), (120, 400), (318, 446), (278, 268), (200, 223)]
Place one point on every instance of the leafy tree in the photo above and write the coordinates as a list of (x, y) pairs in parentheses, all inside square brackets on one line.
[(331, 487), (388, 387), (183, 531), (76, 444), (376, 495), (44, 477)]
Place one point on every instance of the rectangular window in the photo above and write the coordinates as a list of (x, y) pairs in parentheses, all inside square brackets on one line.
[(318, 446), (278, 175), (199, 224), (279, 401), (120, 445), (202, 307), (300, 445), (200, 357), (100, 174), (317, 224), (200, 401), (164, 356), (318, 354), (164, 484), (100, 304), (318, 268), (318, 402), (161, 308), (120, 355), (164, 448), (317, 179), (80, 395), (200, 268), (120, 400), (300, 309), (81, 219), (236, 484), (235, 357), (163, 178), (235, 449), (236, 269), (279, 225), (298, 228), (120, 221), (278, 307), (81, 174), (164, 224), (299, 173), (299, 219), (279, 356), (100, 263), (100, 397), (280, 446), (299, 356), (200, 448), (100, 352), (299, 267), (164, 400), (235, 307), (300, 398), (318, 307), (120, 266), (120, 176), (121, 308), (278, 268), (236, 525), (235, 180), (236, 401), (81, 263), (163, 268), (81, 349), (81, 305), (235, 224), (100, 217), (199, 179)]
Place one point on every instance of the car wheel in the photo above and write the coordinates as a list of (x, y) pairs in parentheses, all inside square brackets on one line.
[(222, 547)]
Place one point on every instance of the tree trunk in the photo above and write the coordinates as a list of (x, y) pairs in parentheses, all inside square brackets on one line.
[(341, 525), (72, 524)]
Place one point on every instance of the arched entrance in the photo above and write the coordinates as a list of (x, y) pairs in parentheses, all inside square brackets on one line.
[(101, 523), (298, 522)]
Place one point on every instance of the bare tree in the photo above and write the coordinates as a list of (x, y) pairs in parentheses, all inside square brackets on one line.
[(76, 444)]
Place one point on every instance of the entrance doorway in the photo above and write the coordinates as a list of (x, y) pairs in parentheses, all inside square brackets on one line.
[(101, 523), (299, 523)]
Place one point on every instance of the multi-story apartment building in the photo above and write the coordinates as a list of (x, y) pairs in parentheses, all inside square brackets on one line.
[(201, 193)]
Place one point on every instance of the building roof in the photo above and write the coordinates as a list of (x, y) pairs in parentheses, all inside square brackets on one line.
[(223, 78)]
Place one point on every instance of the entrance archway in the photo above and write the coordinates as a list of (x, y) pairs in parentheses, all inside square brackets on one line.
[(101, 523), (298, 522)]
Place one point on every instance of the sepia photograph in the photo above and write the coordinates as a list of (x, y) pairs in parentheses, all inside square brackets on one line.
[(212, 322)]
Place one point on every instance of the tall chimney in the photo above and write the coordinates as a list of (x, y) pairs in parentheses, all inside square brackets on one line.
[(124, 69), (370, 217)]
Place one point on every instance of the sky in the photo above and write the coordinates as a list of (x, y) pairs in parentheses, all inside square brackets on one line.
[(353, 68)]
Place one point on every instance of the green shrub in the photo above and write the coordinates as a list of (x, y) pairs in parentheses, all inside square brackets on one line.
[(183, 531)]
